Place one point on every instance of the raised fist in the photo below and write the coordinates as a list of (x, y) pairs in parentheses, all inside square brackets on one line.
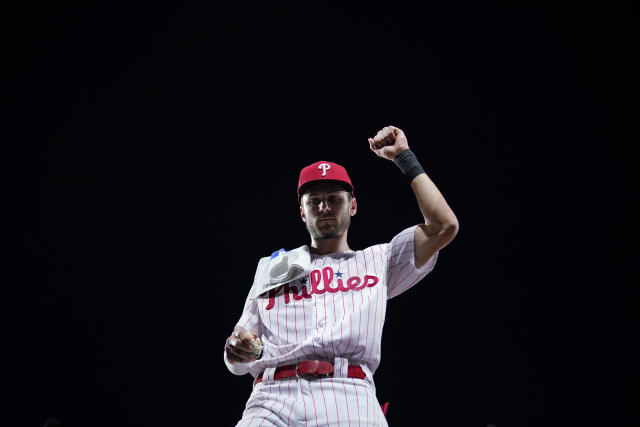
[(388, 142)]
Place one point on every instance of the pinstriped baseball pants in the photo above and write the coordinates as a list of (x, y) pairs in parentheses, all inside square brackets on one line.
[(312, 402)]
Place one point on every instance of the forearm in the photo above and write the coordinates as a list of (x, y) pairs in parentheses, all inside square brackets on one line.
[(438, 217)]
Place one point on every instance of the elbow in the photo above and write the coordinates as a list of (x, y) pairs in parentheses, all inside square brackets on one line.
[(452, 227), (449, 230), (439, 233)]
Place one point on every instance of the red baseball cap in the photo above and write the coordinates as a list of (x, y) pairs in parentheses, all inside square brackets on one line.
[(323, 172)]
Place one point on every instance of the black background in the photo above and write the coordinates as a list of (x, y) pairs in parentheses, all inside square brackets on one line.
[(154, 153)]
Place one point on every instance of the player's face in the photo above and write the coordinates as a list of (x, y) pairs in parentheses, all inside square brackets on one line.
[(326, 210)]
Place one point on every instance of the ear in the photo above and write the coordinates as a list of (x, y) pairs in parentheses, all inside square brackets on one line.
[(353, 208), (302, 214)]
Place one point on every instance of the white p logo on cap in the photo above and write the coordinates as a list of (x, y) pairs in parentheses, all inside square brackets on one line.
[(325, 167)]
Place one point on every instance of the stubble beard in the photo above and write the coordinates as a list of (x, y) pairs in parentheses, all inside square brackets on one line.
[(332, 232)]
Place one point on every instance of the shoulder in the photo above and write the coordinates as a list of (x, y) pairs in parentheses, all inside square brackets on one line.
[(375, 248), (375, 252)]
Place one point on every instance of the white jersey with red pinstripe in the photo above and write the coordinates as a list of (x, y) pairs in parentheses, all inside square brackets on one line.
[(336, 313)]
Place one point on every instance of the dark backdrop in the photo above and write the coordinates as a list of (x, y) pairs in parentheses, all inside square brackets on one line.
[(155, 153)]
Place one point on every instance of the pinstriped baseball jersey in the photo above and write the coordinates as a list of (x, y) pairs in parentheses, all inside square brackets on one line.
[(337, 311)]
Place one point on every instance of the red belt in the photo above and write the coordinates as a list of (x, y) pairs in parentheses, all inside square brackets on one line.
[(312, 368)]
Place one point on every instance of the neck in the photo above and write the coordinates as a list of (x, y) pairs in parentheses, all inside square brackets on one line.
[(328, 246)]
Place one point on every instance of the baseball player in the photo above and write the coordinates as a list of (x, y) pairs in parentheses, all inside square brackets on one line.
[(311, 328)]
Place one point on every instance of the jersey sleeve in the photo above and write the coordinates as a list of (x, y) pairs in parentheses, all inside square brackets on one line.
[(250, 319), (402, 273)]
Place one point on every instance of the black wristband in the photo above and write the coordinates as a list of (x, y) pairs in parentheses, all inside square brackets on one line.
[(408, 164)]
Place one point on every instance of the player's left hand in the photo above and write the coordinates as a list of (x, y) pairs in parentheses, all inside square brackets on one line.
[(388, 142)]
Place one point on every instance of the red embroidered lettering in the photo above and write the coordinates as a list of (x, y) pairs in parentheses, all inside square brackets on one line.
[(317, 277), (374, 280), (315, 281), (272, 299), (353, 283), (304, 292), (287, 289), (327, 276), (294, 294)]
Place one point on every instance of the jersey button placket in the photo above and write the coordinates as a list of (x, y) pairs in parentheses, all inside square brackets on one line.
[(320, 319)]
